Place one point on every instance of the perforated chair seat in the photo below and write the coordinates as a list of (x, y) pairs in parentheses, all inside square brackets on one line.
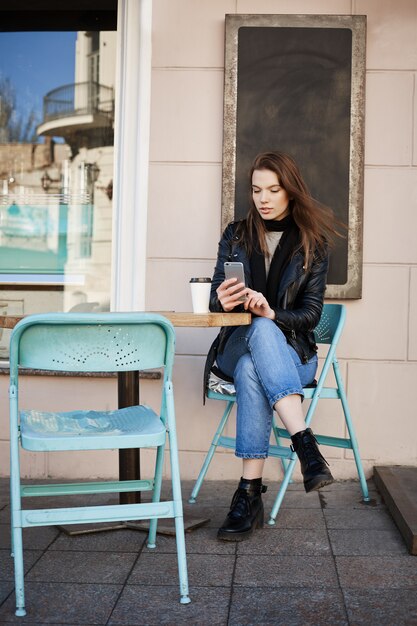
[(136, 426)]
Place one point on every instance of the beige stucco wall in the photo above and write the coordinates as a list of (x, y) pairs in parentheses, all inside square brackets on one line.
[(378, 352), (379, 349)]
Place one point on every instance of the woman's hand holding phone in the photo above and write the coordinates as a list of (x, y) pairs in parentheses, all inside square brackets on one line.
[(229, 294), (232, 290)]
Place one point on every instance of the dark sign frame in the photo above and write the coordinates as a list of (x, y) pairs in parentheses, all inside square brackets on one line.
[(296, 83)]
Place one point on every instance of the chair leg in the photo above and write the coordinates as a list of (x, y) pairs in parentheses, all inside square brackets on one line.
[(351, 431), (16, 507), (18, 571), (182, 560), (210, 453), (281, 493), (176, 492), (156, 495), (11, 536)]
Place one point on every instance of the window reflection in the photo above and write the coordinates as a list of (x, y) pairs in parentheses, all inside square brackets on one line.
[(56, 169)]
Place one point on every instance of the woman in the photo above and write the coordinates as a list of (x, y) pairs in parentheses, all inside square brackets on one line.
[(282, 244)]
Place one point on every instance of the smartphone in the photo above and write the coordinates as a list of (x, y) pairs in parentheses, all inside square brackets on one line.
[(234, 269)]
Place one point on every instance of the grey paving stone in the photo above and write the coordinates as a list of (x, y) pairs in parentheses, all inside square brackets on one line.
[(290, 607), (348, 485), (124, 540), (296, 500), (285, 571), (6, 587), (4, 491), (83, 567), (273, 485), (290, 542), (4, 487), (6, 563), (211, 492), (4, 536), (214, 514), (296, 486), (60, 603), (149, 606), (5, 514), (199, 541), (366, 518), (377, 572), (349, 497), (365, 542), (4, 499), (295, 518), (35, 538), (205, 570), (373, 608), (296, 489)]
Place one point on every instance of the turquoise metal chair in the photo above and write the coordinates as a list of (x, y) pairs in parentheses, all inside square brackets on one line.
[(88, 342), (328, 332)]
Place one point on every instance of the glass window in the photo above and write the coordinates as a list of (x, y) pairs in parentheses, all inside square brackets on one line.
[(56, 169)]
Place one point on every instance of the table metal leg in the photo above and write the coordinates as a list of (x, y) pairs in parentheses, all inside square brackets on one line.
[(129, 459)]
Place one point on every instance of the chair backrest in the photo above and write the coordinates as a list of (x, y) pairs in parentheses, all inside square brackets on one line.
[(89, 342), (331, 323)]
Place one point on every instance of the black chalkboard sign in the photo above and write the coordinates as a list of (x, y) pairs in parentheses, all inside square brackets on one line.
[(293, 93)]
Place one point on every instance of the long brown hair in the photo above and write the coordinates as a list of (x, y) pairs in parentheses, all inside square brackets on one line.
[(315, 221)]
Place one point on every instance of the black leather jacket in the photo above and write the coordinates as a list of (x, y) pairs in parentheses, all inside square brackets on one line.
[(298, 303)]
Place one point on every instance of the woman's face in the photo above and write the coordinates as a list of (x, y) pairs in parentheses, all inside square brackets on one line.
[(270, 199)]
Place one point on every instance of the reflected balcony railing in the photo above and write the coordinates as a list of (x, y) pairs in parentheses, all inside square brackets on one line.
[(78, 99)]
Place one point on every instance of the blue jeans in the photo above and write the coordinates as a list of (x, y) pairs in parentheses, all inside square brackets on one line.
[(265, 369)]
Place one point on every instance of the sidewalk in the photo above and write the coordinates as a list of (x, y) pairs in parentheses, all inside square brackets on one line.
[(330, 560)]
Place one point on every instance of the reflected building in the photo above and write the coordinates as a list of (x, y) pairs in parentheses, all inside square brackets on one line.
[(83, 115)]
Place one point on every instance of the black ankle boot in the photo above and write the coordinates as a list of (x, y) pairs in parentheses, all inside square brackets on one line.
[(246, 511), (313, 464)]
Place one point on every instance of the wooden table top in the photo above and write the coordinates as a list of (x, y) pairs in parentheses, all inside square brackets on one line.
[(206, 320), (178, 319)]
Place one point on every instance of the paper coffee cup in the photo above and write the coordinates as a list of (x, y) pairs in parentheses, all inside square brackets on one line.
[(200, 294)]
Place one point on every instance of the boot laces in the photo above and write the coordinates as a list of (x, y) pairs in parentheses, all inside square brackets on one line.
[(311, 452), (240, 506)]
